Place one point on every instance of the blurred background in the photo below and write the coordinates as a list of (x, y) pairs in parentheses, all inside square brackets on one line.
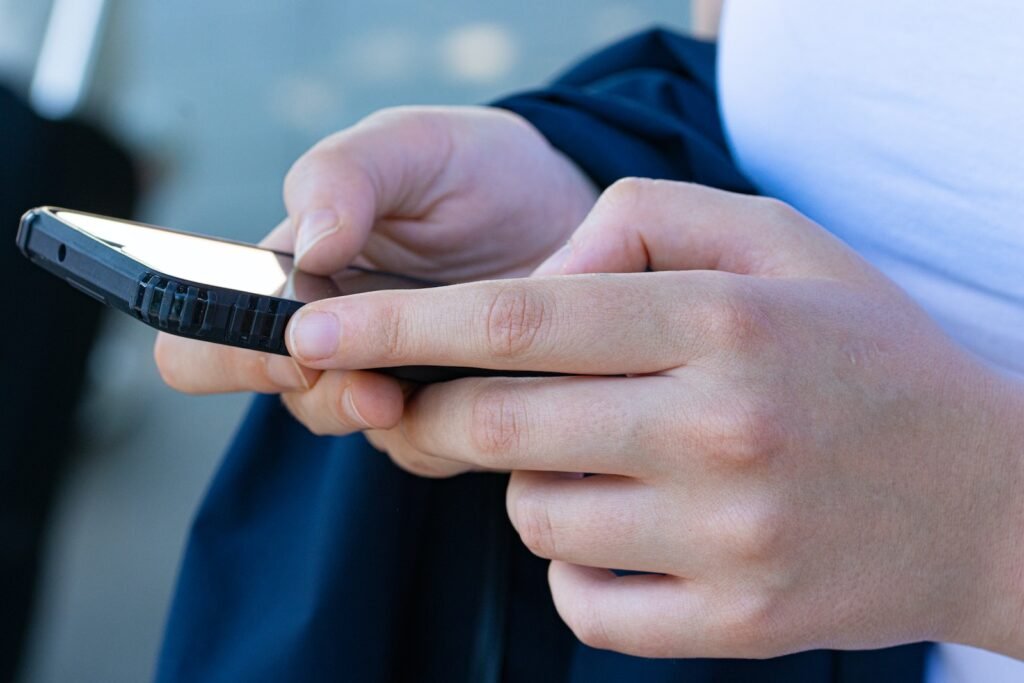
[(211, 102)]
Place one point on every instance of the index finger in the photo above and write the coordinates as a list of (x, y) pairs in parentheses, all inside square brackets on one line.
[(335, 192), (585, 324), (198, 367)]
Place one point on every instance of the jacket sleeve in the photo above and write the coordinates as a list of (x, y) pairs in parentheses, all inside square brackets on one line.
[(645, 106)]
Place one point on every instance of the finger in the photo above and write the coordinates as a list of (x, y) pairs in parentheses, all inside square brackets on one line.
[(198, 367), (656, 615), (387, 164), (636, 323), (608, 425), (647, 615), (664, 225), (342, 402), (411, 459), (598, 521)]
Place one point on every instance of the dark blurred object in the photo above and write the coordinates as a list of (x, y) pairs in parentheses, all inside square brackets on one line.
[(50, 331)]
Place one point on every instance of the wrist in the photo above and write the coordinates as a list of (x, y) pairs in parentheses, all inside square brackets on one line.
[(995, 618), (575, 192)]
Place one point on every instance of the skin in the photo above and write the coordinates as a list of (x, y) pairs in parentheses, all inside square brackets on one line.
[(774, 430), (704, 17), (445, 193)]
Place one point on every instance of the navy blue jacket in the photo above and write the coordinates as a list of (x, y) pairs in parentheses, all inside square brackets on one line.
[(317, 559)]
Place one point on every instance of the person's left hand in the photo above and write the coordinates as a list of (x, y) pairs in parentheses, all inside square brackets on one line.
[(779, 437)]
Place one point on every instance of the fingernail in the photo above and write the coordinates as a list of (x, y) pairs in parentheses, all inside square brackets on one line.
[(315, 226), (556, 262), (350, 406), (314, 335), (286, 373)]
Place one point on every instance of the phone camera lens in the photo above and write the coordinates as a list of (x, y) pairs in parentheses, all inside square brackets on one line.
[(62, 253)]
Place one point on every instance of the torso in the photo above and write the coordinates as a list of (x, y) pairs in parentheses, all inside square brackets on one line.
[(899, 126)]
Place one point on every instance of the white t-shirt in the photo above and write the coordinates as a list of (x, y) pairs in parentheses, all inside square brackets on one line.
[(899, 126)]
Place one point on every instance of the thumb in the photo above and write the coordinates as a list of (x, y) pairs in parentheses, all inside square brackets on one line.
[(640, 224), (384, 165)]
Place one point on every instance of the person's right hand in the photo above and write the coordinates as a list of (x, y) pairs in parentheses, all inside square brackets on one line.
[(446, 193)]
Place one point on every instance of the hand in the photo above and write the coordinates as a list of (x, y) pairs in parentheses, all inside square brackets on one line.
[(778, 435), (452, 194)]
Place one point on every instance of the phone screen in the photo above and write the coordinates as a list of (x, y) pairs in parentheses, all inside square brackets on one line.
[(231, 265)]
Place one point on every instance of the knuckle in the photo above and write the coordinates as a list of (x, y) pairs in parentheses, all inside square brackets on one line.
[(313, 427), (408, 458), (426, 466), (748, 625), (390, 332), (532, 519), (776, 209), (425, 126), (311, 165), (634, 193), (389, 116), (498, 424), (737, 319), (590, 626), (752, 532), (629, 189), (517, 321), (253, 370), (295, 408), (624, 196), (743, 433)]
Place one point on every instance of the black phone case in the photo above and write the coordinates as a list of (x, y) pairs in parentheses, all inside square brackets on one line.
[(188, 309)]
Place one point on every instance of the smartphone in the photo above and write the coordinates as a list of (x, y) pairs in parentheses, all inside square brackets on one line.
[(195, 286)]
